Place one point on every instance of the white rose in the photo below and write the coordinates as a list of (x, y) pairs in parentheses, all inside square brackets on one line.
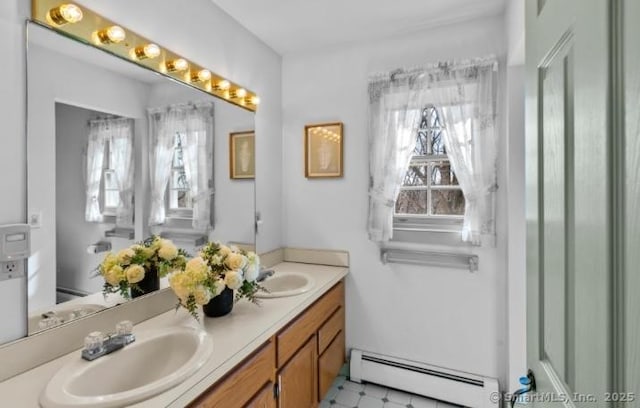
[(233, 279), (235, 261), (219, 286), (125, 255), (251, 272), (234, 248), (202, 295), (134, 273), (167, 250)]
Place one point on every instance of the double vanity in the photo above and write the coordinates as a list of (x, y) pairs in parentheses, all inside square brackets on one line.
[(283, 353)]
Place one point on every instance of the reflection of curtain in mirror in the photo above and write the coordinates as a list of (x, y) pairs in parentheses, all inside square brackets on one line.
[(94, 166), (195, 122), (120, 136), (198, 162)]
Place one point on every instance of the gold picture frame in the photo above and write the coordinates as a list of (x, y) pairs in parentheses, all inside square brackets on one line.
[(323, 150), (242, 155)]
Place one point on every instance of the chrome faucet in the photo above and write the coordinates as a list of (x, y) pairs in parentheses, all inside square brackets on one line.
[(264, 274), (97, 344)]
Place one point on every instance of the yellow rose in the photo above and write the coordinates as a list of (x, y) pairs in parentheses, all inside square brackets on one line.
[(114, 275), (233, 279), (135, 273), (180, 286), (156, 244), (224, 250), (147, 252), (109, 262), (235, 261), (197, 269), (201, 295), (167, 250), (125, 255)]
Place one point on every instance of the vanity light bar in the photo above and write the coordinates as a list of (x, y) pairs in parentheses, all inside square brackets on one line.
[(90, 27)]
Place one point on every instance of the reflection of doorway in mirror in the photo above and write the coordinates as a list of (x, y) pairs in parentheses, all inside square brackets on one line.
[(242, 155), (323, 150)]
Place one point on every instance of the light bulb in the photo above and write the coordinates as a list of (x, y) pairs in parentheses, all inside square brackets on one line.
[(113, 34), (222, 85), (239, 93), (176, 65), (253, 100), (65, 13), (201, 76), (146, 51)]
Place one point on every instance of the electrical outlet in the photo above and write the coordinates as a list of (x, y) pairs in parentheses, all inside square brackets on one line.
[(11, 270)]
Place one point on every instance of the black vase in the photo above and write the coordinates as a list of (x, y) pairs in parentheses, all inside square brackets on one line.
[(150, 283), (220, 305)]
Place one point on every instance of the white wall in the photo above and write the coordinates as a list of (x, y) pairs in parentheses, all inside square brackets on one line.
[(445, 317), (80, 84)]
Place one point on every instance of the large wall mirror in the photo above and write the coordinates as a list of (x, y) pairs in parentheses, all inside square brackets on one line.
[(116, 153)]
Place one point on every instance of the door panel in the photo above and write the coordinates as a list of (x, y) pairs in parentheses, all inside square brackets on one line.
[(298, 378), (569, 302)]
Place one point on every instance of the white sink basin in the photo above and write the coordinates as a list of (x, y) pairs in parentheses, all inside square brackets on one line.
[(286, 284), (158, 360)]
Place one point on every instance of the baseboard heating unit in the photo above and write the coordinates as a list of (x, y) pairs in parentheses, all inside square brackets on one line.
[(422, 379)]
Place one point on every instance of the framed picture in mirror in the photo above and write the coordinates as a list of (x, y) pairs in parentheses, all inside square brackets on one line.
[(242, 155), (323, 150)]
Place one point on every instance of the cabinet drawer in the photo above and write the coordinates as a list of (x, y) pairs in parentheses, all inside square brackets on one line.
[(329, 329), (249, 377), (307, 323), (329, 365)]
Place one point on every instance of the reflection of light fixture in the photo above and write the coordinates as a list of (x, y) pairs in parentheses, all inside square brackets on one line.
[(176, 65), (65, 13), (222, 85), (253, 100), (239, 93), (147, 51), (201, 76), (112, 35)]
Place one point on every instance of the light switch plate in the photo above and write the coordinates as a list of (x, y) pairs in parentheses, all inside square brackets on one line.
[(35, 220)]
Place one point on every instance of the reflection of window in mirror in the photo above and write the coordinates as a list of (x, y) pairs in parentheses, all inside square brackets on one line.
[(179, 202)]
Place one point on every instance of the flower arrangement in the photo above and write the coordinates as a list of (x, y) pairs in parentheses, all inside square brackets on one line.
[(123, 271), (216, 268)]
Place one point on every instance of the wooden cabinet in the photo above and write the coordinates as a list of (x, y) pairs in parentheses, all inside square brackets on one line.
[(302, 360), (264, 399), (297, 379)]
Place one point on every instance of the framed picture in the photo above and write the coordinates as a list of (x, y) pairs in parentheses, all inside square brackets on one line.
[(242, 155), (323, 150)]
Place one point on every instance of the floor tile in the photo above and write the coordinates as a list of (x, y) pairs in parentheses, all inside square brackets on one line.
[(331, 394), (347, 398), (421, 402), (339, 380), (399, 397), (352, 386), (374, 390), (370, 402), (325, 404), (393, 405)]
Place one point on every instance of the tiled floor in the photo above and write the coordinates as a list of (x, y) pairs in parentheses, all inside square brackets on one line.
[(347, 394)]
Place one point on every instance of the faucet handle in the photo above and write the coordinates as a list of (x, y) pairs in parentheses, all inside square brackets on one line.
[(94, 342), (124, 332)]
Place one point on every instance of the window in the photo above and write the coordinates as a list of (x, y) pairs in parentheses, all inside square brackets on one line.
[(179, 202), (430, 193)]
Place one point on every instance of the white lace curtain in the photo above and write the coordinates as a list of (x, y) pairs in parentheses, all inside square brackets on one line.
[(465, 95), (118, 134), (194, 122)]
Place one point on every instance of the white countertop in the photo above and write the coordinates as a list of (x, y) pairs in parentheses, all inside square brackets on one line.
[(234, 336)]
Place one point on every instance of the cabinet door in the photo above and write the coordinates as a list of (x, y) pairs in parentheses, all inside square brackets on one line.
[(264, 399), (298, 378), (329, 364)]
